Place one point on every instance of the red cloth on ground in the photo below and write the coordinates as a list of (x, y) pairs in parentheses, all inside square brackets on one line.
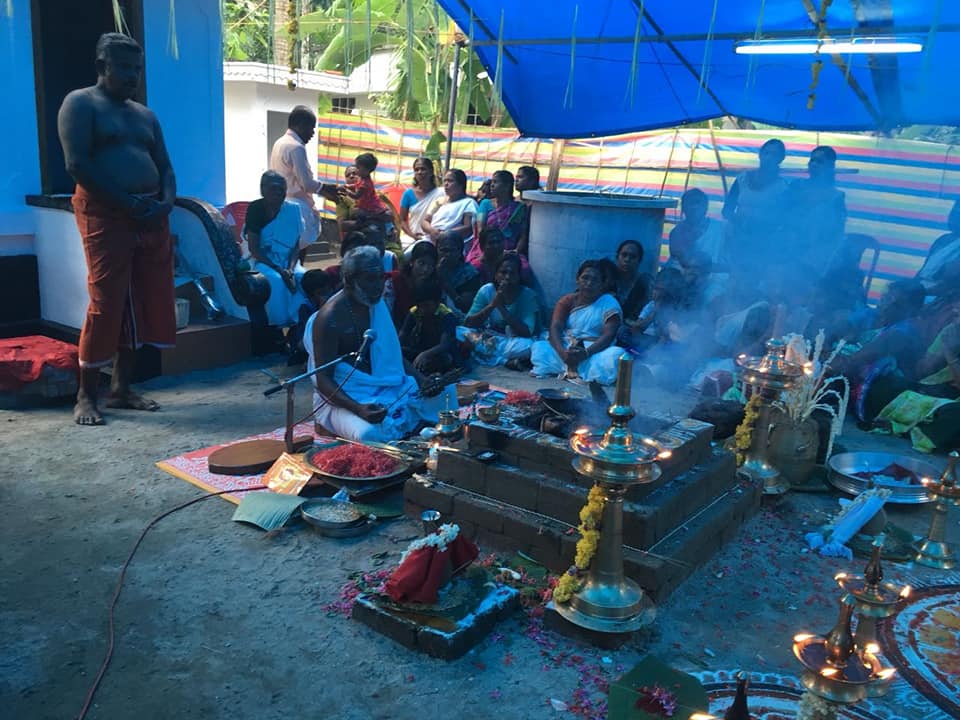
[(23, 359), (129, 278), (419, 577)]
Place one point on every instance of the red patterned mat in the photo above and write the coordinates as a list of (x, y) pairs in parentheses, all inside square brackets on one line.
[(192, 466), (771, 696), (923, 641)]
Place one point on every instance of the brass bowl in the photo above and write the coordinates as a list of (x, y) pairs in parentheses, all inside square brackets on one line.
[(489, 413)]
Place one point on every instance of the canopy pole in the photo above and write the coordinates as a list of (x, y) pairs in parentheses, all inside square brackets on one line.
[(493, 39), (452, 115), (716, 154), (556, 159)]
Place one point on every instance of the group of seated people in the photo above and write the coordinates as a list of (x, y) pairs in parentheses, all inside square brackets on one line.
[(458, 288)]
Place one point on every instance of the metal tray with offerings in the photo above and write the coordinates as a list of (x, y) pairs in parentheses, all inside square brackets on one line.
[(855, 472), (376, 462), (335, 518)]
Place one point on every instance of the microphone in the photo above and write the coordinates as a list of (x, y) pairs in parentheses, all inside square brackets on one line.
[(369, 336)]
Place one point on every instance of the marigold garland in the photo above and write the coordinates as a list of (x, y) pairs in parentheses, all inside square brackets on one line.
[(744, 434), (589, 529)]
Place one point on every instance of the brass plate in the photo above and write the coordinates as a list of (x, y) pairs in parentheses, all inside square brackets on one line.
[(843, 466)]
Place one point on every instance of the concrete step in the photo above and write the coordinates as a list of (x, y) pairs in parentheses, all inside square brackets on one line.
[(537, 452), (659, 570), (201, 345), (647, 518), (320, 250)]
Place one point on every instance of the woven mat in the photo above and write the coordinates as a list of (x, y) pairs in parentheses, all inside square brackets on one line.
[(772, 696), (192, 466), (923, 641)]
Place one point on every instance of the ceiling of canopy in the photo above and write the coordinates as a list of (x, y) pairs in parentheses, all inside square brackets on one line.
[(641, 64)]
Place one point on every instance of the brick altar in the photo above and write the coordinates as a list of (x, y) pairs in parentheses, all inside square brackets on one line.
[(529, 499)]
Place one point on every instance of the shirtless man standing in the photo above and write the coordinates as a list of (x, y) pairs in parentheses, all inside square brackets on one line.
[(384, 398), (125, 191)]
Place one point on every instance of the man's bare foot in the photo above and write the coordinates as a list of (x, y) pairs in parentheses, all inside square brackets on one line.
[(85, 412), (130, 400)]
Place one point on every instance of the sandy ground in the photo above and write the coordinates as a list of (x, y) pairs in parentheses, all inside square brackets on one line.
[(220, 620)]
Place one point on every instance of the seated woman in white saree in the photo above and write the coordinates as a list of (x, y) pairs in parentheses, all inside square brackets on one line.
[(582, 331), (456, 213), (419, 201), (272, 232), (383, 397), (502, 322)]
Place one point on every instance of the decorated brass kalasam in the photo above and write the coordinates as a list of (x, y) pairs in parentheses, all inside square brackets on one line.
[(768, 376)]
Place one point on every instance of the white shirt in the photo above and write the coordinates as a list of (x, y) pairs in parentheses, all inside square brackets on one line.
[(289, 158)]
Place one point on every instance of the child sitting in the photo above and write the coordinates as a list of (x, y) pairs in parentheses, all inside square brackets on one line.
[(318, 286), (429, 334), (367, 204)]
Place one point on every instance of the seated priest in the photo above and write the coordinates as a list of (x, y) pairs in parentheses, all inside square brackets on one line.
[(383, 397)]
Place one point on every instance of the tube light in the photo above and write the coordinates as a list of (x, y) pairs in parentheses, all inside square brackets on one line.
[(830, 46)]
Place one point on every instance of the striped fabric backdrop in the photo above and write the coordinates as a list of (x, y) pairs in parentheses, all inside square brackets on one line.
[(898, 191)]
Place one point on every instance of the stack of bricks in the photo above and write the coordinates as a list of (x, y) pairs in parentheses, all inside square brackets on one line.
[(530, 498)]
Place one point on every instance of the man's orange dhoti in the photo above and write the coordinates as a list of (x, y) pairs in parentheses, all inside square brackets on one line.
[(129, 278)]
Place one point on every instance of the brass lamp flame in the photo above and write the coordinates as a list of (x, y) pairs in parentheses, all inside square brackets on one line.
[(835, 667), (934, 551)]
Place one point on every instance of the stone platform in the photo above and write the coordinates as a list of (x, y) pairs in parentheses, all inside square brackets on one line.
[(529, 500), (446, 633)]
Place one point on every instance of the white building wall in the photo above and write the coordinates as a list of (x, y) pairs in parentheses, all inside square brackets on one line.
[(19, 154), (246, 105), (244, 133), (62, 267)]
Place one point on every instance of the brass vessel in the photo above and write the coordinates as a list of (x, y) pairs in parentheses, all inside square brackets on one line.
[(768, 375)]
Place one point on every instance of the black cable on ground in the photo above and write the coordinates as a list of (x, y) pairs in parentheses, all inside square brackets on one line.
[(123, 571)]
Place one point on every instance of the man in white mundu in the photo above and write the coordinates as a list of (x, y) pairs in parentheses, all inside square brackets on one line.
[(383, 398)]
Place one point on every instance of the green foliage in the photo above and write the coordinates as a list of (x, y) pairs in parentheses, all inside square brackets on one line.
[(421, 84), (246, 30)]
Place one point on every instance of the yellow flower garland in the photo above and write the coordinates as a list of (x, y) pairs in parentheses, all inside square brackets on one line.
[(589, 529), (744, 434)]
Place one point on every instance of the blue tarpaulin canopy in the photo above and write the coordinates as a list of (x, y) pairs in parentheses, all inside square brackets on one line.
[(640, 64)]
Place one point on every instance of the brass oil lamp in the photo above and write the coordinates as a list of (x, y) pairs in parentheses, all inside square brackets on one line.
[(873, 600), (934, 551), (608, 601), (768, 376), (835, 668)]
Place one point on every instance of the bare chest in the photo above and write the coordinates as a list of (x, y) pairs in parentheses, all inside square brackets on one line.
[(127, 126)]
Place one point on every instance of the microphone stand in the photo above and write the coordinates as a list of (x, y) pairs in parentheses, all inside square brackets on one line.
[(289, 386), (249, 457)]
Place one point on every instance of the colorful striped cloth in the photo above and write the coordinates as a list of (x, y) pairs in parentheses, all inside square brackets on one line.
[(897, 191)]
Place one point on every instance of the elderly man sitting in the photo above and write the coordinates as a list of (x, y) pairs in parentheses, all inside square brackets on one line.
[(383, 397)]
